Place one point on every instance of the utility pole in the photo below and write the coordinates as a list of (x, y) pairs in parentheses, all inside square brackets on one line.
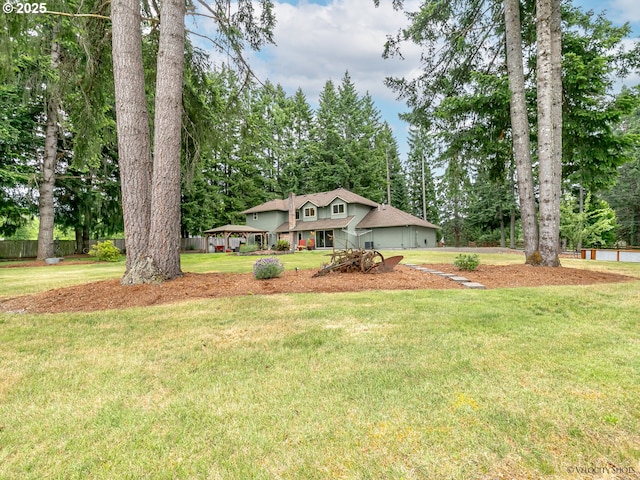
[(388, 179), (424, 192)]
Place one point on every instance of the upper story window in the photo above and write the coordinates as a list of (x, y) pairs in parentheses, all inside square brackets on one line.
[(297, 214), (338, 208), (255, 216), (309, 212)]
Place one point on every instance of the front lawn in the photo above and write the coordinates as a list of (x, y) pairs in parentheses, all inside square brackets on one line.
[(449, 384)]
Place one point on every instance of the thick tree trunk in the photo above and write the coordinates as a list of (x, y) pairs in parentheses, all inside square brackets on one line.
[(512, 229), (520, 129), (549, 168), (578, 247), (49, 159), (556, 113), (86, 238), (78, 231), (134, 150), (164, 240)]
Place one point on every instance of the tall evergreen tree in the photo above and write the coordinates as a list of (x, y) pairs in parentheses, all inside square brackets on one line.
[(300, 119), (326, 166), (420, 184), (154, 234), (461, 40)]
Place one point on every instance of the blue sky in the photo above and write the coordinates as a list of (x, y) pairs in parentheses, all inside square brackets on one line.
[(318, 40)]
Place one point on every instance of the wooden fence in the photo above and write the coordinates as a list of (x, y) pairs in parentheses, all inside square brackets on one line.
[(29, 248)]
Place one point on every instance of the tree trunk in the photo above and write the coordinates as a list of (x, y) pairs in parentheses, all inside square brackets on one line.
[(578, 247), (46, 248), (512, 229), (520, 129), (549, 170), (134, 150), (78, 231), (424, 191), (556, 113), (164, 240)]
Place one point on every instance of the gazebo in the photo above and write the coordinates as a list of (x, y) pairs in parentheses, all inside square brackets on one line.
[(226, 231)]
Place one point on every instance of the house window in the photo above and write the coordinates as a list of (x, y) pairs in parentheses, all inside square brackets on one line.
[(309, 212), (338, 208), (255, 216), (297, 214)]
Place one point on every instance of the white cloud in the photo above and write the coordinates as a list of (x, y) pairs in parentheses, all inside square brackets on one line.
[(626, 10), (316, 43), (320, 41)]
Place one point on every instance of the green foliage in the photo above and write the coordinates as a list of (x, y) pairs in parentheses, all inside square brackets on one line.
[(461, 98), (593, 58), (105, 251), (467, 262), (283, 245), (267, 268), (249, 247), (595, 226), (421, 151), (350, 146), (624, 197)]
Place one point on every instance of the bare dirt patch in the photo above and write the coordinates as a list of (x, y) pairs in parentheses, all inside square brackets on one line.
[(109, 294)]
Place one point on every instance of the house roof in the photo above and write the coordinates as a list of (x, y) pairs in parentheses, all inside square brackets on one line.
[(388, 216), (235, 229), (321, 199), (326, 224)]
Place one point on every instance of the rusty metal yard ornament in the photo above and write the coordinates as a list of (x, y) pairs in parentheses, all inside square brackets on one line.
[(365, 261)]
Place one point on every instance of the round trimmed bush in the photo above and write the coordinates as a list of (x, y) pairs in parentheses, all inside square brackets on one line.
[(267, 268), (105, 251)]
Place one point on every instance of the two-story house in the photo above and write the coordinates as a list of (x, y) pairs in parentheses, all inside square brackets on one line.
[(340, 219)]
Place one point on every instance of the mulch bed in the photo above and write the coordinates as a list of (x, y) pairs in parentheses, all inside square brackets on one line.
[(109, 294)]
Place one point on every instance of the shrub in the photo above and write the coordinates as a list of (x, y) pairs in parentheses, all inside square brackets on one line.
[(267, 268), (283, 245), (105, 251), (249, 247), (467, 262)]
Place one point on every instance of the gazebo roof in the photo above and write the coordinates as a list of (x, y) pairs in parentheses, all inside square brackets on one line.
[(234, 229)]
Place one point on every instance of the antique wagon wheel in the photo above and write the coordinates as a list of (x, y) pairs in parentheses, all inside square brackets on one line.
[(370, 260)]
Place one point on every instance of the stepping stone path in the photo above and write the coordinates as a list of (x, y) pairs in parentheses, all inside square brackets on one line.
[(451, 276)]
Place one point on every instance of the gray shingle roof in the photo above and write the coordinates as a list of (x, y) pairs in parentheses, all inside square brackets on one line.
[(388, 216), (235, 229), (321, 199)]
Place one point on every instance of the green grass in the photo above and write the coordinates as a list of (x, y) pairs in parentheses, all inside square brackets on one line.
[(17, 281), (450, 384)]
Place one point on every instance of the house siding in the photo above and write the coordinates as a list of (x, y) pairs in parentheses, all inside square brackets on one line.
[(346, 234), (400, 237), (341, 240), (268, 221)]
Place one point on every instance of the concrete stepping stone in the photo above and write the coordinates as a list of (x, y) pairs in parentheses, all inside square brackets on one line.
[(456, 278)]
